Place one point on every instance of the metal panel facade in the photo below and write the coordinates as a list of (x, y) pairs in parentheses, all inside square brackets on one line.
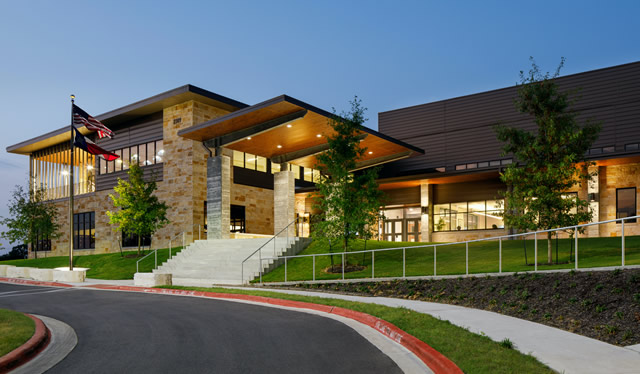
[(459, 130)]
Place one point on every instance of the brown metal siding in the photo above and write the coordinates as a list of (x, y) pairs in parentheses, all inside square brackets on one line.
[(459, 130), (467, 191), (401, 196), (110, 180), (132, 133)]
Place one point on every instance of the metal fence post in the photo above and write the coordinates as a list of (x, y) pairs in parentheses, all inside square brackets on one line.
[(314, 267), (199, 233), (260, 265), (285, 269), (623, 242), (434, 260), (342, 265), (576, 234), (404, 262), (156, 256), (373, 265), (467, 257), (169, 248), (137, 269), (535, 251), (500, 255)]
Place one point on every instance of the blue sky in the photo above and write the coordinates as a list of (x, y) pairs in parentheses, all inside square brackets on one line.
[(392, 54)]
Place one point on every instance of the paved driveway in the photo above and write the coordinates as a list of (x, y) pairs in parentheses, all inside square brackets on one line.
[(121, 332)]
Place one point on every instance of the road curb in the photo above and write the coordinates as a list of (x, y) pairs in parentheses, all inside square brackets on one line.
[(33, 282), (435, 360), (28, 350)]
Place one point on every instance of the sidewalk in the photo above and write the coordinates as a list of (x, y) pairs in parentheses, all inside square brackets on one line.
[(561, 350)]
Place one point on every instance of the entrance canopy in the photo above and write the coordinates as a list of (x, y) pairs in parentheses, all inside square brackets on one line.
[(284, 129)]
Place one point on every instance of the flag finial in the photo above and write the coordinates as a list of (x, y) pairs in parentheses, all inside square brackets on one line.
[(73, 97)]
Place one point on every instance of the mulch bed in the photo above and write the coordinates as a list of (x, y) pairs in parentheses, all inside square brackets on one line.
[(604, 305), (348, 268)]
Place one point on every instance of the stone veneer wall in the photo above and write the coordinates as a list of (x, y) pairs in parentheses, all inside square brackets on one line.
[(183, 187), (258, 203), (459, 236), (610, 178)]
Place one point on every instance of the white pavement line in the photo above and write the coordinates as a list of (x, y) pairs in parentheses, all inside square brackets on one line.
[(27, 293), (63, 341), (24, 291), (561, 350)]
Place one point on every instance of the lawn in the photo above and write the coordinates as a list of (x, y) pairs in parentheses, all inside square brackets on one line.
[(483, 258), (464, 348), (103, 266), (15, 330)]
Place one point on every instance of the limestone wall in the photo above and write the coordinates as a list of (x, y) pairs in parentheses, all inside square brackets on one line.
[(258, 203)]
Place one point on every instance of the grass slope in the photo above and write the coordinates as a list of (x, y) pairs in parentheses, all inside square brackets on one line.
[(104, 266), (15, 330), (483, 257), (471, 352)]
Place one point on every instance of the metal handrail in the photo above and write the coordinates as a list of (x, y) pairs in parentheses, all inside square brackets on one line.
[(263, 245), (147, 255), (434, 246)]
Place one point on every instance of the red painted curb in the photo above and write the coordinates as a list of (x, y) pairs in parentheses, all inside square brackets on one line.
[(33, 282), (28, 350), (435, 360)]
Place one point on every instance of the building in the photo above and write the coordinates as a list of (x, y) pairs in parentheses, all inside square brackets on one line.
[(248, 170), (449, 193), (219, 164)]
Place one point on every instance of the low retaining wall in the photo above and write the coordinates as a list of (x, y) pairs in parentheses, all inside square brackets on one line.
[(77, 275), (152, 279)]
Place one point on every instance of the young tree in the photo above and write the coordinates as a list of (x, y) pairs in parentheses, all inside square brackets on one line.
[(140, 212), (347, 200), (549, 162), (32, 217)]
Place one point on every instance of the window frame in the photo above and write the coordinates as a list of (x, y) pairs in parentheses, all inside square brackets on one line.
[(635, 204)]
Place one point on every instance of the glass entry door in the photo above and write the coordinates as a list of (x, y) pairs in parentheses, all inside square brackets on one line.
[(393, 230), (413, 229)]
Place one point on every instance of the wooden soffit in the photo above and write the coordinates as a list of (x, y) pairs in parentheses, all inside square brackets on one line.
[(298, 140)]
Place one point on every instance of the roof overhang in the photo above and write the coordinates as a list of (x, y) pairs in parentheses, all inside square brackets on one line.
[(285, 129), (132, 111)]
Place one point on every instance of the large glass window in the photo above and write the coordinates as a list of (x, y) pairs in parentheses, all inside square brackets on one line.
[(142, 154), (131, 240), (84, 227), (626, 203), (471, 215), (50, 170)]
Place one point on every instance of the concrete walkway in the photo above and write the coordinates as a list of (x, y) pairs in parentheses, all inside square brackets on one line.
[(561, 350)]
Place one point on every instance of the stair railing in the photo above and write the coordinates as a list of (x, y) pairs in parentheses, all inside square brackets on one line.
[(273, 238)]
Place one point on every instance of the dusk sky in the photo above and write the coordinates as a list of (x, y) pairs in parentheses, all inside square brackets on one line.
[(391, 54)]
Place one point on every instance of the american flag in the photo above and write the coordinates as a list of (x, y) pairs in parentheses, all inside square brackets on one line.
[(82, 118)]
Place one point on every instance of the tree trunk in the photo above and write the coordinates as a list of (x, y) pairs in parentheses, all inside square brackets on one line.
[(549, 251), (139, 241)]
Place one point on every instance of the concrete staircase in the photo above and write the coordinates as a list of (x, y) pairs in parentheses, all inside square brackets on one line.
[(219, 261)]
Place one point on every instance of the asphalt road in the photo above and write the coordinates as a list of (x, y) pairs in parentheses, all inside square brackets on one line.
[(120, 332)]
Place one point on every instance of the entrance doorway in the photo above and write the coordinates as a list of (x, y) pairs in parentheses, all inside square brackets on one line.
[(401, 224), (238, 220)]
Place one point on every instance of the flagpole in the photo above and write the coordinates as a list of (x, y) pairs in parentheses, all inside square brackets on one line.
[(71, 190)]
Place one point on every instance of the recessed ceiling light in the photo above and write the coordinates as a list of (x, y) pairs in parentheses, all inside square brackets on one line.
[(370, 152), (318, 136), (248, 138), (289, 125), (279, 146)]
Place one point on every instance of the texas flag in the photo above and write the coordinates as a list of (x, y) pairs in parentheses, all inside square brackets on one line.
[(83, 143)]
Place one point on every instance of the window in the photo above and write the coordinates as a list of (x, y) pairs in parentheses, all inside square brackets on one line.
[(42, 243), (131, 240), (626, 203), (84, 233), (237, 219), (471, 215), (142, 154)]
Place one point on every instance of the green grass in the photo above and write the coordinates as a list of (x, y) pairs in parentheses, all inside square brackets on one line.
[(104, 266), (483, 257), (15, 330), (471, 352)]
